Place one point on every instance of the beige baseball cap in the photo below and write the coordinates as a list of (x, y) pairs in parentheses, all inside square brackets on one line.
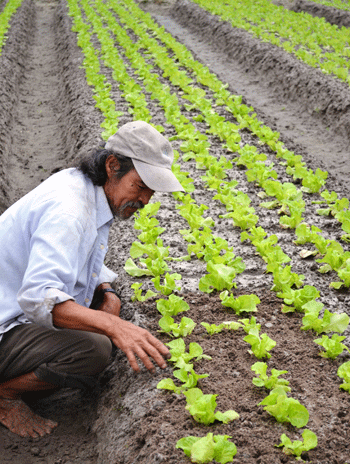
[(151, 154)]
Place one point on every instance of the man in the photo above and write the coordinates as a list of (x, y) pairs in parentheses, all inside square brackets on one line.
[(52, 246)]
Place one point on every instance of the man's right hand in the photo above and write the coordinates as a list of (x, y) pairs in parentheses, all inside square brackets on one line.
[(131, 339), (136, 341)]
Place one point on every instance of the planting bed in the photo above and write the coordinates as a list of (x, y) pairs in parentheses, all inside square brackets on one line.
[(48, 120)]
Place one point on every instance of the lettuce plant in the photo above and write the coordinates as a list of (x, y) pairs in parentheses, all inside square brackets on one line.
[(260, 345), (220, 276), (202, 408), (169, 284), (284, 278), (344, 274), (248, 325), (298, 447), (344, 373), (331, 322), (208, 448), (241, 304), (269, 382), (188, 378), (296, 299), (213, 328), (182, 329), (179, 355), (172, 306), (333, 346), (138, 293), (285, 409), (312, 235)]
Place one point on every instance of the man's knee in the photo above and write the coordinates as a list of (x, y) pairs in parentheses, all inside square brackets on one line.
[(94, 354)]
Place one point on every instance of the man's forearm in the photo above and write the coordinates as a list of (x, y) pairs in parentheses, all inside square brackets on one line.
[(71, 315)]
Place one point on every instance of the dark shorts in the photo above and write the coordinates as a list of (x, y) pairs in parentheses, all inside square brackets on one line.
[(65, 358)]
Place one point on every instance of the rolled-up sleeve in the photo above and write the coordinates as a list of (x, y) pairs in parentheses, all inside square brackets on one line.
[(56, 259)]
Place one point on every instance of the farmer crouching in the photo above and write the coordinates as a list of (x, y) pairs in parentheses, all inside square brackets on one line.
[(53, 242)]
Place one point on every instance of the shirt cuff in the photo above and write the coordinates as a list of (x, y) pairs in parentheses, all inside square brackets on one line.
[(106, 275), (42, 312)]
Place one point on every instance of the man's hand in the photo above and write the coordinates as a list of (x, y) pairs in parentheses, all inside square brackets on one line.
[(135, 341), (131, 339)]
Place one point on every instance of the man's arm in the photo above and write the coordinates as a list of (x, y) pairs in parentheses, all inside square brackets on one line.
[(110, 302), (131, 339)]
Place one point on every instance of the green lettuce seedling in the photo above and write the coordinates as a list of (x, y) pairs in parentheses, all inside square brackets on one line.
[(151, 236), (334, 259), (333, 346), (232, 325), (144, 215), (285, 409), (305, 234), (169, 283), (269, 382), (202, 408), (241, 304), (138, 292), (274, 256), (189, 379), (209, 448), (179, 355), (151, 250), (260, 345), (284, 278), (194, 215), (184, 328), (172, 306), (331, 322), (344, 274), (213, 328), (152, 267), (248, 325), (243, 217), (344, 373), (219, 277), (296, 299), (298, 447)]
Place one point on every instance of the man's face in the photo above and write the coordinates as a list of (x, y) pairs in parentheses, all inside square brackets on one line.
[(126, 195)]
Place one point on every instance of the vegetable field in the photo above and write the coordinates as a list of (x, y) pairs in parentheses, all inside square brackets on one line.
[(246, 275)]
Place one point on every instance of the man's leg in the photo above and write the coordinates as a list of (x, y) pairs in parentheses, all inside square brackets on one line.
[(33, 358)]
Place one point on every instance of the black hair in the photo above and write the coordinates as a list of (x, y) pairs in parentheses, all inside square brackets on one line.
[(93, 165)]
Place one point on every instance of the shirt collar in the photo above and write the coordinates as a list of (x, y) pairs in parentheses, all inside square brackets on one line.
[(103, 213)]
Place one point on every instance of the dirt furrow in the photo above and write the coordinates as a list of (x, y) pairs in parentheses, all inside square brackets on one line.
[(309, 109)]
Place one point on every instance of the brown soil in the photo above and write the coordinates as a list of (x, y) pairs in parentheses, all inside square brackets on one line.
[(48, 119)]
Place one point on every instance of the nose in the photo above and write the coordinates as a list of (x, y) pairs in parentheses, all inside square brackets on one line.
[(146, 195)]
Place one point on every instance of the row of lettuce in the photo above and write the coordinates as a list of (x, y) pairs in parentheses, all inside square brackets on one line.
[(202, 89), (339, 4), (5, 19), (311, 39)]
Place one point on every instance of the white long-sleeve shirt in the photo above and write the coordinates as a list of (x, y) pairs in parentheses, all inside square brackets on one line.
[(53, 242)]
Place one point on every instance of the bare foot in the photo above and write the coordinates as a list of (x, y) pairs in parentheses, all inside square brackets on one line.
[(20, 419)]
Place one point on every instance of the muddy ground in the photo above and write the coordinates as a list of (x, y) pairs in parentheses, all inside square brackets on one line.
[(48, 119)]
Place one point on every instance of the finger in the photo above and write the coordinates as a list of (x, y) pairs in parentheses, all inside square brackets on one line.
[(154, 353), (145, 359), (159, 346), (132, 361)]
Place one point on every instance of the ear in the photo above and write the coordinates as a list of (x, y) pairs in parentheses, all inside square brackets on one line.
[(112, 165)]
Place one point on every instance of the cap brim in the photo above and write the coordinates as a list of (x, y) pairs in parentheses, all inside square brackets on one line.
[(157, 178)]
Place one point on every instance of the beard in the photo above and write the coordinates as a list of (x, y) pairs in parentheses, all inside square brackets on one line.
[(120, 211)]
